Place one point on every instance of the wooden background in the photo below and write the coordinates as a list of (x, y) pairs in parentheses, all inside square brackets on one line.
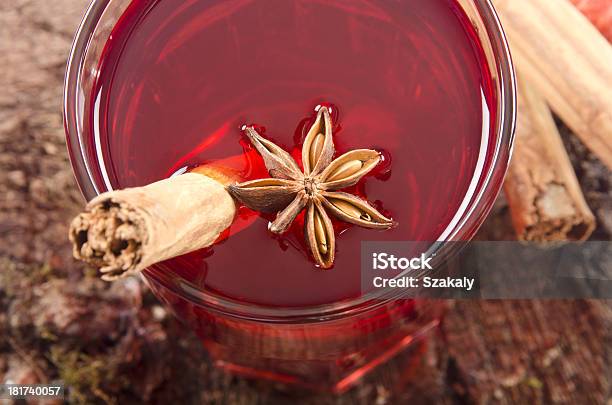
[(115, 344)]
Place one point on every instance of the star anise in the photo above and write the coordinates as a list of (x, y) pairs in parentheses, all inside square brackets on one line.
[(290, 190)]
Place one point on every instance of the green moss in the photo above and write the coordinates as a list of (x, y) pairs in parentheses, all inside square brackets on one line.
[(82, 376), (535, 383)]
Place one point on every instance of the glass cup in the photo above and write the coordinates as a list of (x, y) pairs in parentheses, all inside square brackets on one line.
[(323, 347)]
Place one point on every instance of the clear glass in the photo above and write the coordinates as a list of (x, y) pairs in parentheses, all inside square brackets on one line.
[(329, 346)]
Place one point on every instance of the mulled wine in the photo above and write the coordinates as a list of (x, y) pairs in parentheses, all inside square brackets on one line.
[(175, 82)]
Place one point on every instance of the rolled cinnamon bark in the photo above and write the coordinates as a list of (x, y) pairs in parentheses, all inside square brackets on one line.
[(123, 232), (600, 14), (545, 198), (569, 62)]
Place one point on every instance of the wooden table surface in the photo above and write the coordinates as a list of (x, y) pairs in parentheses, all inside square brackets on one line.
[(116, 344)]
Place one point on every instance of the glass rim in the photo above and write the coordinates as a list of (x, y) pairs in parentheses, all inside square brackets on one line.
[(470, 221)]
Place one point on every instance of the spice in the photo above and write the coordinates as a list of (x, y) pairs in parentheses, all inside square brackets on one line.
[(600, 14), (543, 193), (567, 61), (315, 188), (124, 231)]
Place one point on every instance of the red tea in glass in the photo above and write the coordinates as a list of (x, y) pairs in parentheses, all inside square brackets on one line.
[(427, 83)]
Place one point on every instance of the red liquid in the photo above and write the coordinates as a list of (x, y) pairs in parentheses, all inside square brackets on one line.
[(179, 78)]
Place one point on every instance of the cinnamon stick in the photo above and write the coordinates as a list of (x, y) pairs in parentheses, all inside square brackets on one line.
[(123, 232), (569, 62), (599, 12), (545, 198)]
